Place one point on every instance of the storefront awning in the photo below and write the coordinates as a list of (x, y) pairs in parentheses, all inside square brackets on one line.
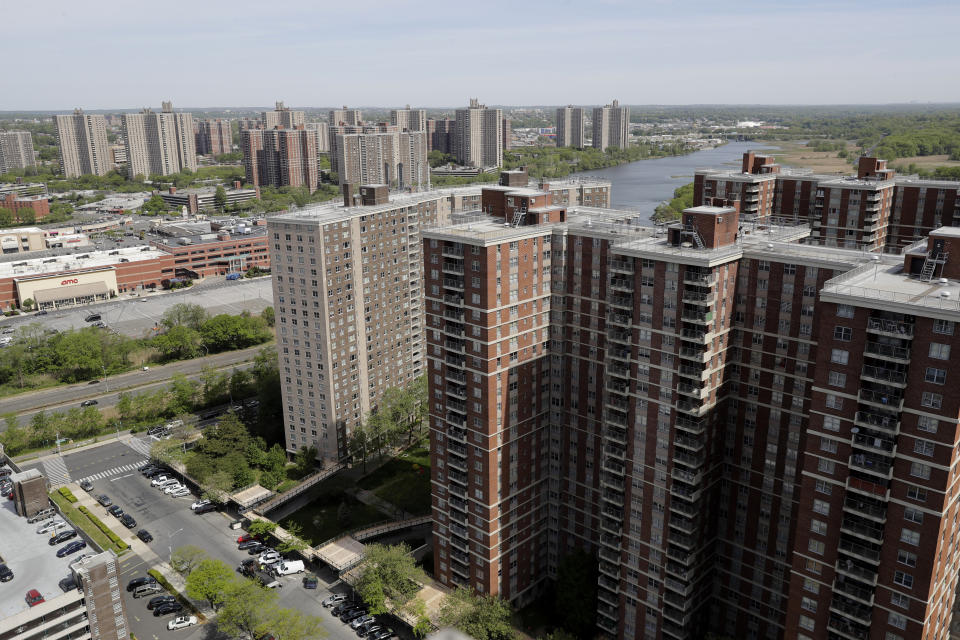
[(71, 292)]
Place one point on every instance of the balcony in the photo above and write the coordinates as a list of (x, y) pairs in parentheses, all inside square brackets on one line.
[(459, 407), (615, 386), (449, 298), (697, 355), (608, 555), (698, 317), (692, 426), (860, 530), (873, 443), (455, 345), (684, 508), (891, 328), (695, 391), (610, 570), (873, 489), (690, 371), (618, 403), (683, 588), (685, 491), (699, 279), (847, 629), (677, 616), (614, 434), (457, 377), (872, 464), (452, 268), (692, 444), (692, 296), (450, 283), (612, 466), (456, 463), (453, 329), (887, 351), (617, 420), (613, 498), (691, 407), (693, 334), (862, 551), (611, 482), (622, 302), (610, 598), (848, 567), (619, 370), (850, 609), (674, 630), (617, 452), (688, 459), (621, 266), (456, 420), (619, 335), (611, 526), (619, 353), (453, 252), (854, 590), (620, 320), (458, 392), (453, 314), (621, 284), (890, 401), (686, 525), (686, 476), (884, 375), (865, 508), (879, 421)]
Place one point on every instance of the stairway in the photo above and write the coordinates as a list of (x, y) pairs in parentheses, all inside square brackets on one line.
[(930, 265)]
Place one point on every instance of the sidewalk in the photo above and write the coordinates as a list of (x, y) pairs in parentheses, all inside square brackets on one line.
[(46, 454)]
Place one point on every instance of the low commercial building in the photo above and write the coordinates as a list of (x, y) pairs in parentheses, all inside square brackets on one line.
[(92, 607), (23, 188), (204, 198), (22, 240), (26, 209), (216, 254)]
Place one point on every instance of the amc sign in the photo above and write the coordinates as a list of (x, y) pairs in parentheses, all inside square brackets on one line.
[(69, 281)]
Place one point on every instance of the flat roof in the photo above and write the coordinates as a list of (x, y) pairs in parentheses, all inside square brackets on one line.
[(34, 563), (710, 210), (733, 174), (882, 285), (72, 262), (946, 232), (852, 181), (334, 211)]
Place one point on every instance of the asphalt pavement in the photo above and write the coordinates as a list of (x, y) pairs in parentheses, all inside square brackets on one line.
[(108, 392)]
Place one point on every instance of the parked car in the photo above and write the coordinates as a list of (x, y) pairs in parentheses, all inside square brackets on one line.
[(70, 548), (43, 514), (68, 584), (343, 605), (93, 317), (152, 473), (171, 488), (180, 493), (156, 601), (369, 629), (6, 575), (115, 511), (181, 622), (383, 634), (51, 526), (245, 537), (144, 535), (334, 599), (289, 567), (89, 403), (269, 557), (146, 467), (205, 508), (350, 616), (248, 567), (104, 500), (63, 536), (249, 544), (136, 582), (34, 598), (160, 480), (310, 582), (200, 503), (267, 580), (148, 589), (5, 472), (349, 609), (128, 521), (167, 609), (355, 624), (86, 485)]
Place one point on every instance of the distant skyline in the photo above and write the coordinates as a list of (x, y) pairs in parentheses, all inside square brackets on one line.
[(105, 55)]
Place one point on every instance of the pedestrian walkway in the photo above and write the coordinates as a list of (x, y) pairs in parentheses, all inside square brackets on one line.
[(139, 445), (115, 471), (56, 471)]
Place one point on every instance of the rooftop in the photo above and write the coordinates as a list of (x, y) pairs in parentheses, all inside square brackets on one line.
[(87, 260), (20, 230), (334, 211), (882, 284), (851, 181), (34, 563), (203, 191)]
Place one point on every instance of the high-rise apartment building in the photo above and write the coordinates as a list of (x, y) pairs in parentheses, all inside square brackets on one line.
[(507, 134), (16, 150), (280, 157), (82, 139), (345, 117), (611, 126), (753, 187), (282, 116), (398, 160), (409, 119), (441, 134), (478, 136), (321, 131), (213, 137), (159, 143), (571, 125), (751, 432)]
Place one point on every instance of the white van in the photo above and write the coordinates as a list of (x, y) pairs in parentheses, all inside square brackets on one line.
[(288, 567)]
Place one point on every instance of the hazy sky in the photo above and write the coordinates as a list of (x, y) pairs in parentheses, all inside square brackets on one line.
[(205, 53)]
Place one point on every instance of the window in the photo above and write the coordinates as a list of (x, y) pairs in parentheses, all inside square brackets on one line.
[(903, 579), (907, 558), (897, 620), (826, 444), (818, 526), (935, 376), (916, 493), (939, 351), (824, 487), (831, 423), (943, 327), (813, 566), (811, 585), (822, 507), (899, 600), (923, 447), (913, 515), (807, 623), (844, 334), (844, 311), (932, 400), (910, 536), (834, 401), (926, 423), (837, 379), (815, 546), (826, 466), (809, 604), (920, 470), (839, 356)]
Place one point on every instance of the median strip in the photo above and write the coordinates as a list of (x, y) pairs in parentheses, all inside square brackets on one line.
[(90, 524)]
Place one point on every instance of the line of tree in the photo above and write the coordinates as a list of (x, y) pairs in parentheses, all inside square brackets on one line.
[(398, 418), (389, 580), (671, 210), (484, 617)]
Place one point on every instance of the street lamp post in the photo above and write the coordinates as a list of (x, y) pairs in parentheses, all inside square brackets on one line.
[(170, 545), (105, 383)]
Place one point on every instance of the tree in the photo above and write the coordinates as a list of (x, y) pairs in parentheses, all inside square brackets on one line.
[(295, 541), (28, 216), (261, 528), (361, 444), (184, 314), (154, 206), (418, 609), (183, 394), (208, 581), (575, 601), (27, 304), (388, 572), (290, 624), (483, 617), (6, 217), (185, 559), (247, 610), (268, 316), (217, 487), (179, 342), (220, 197), (305, 459)]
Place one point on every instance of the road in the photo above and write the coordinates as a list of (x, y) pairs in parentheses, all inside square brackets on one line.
[(107, 393), (136, 315), (113, 470)]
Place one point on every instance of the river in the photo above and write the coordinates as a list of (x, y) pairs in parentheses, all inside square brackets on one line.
[(644, 184)]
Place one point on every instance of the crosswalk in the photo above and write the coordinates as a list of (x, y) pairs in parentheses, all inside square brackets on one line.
[(140, 446), (56, 471), (115, 471)]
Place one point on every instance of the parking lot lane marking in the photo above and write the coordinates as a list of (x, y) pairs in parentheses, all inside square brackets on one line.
[(120, 477)]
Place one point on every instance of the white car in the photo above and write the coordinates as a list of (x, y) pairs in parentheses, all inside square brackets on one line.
[(170, 488), (269, 557), (50, 527), (181, 622), (199, 503), (159, 480), (181, 492)]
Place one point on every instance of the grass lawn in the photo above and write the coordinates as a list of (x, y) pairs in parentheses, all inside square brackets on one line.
[(403, 481), (321, 518)]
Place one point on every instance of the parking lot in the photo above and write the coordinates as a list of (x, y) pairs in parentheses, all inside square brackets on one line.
[(173, 524)]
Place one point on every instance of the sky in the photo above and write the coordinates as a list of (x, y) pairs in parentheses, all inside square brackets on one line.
[(97, 54)]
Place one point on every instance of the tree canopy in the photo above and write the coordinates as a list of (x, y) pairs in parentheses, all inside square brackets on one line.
[(389, 577)]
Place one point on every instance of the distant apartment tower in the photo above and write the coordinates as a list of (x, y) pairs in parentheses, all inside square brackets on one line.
[(571, 123), (611, 126), (392, 158), (214, 137), (409, 119), (753, 188), (507, 134), (441, 134), (321, 131), (280, 157), (478, 136), (921, 205), (159, 143), (855, 212), (16, 150), (345, 116), (82, 140), (282, 116), (350, 316)]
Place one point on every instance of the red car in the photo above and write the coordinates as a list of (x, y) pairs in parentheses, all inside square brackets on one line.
[(34, 598), (247, 538)]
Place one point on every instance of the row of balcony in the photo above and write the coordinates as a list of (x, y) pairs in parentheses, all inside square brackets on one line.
[(888, 351), (893, 328), (884, 375), (846, 628)]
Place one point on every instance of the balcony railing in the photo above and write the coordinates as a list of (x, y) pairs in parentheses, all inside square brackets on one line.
[(622, 302), (698, 279), (697, 297), (860, 550), (452, 252), (847, 629), (884, 374), (702, 317), (890, 327), (877, 421), (865, 486), (859, 612), (450, 283), (453, 267), (867, 441), (621, 266), (885, 399), (875, 534), (849, 567), (621, 284), (891, 351), (865, 508)]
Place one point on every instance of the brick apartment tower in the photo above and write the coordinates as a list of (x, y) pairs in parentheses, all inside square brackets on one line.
[(854, 212), (570, 127), (754, 186), (280, 157), (82, 139), (214, 137)]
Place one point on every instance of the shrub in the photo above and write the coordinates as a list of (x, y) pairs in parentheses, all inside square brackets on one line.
[(107, 531), (66, 493)]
